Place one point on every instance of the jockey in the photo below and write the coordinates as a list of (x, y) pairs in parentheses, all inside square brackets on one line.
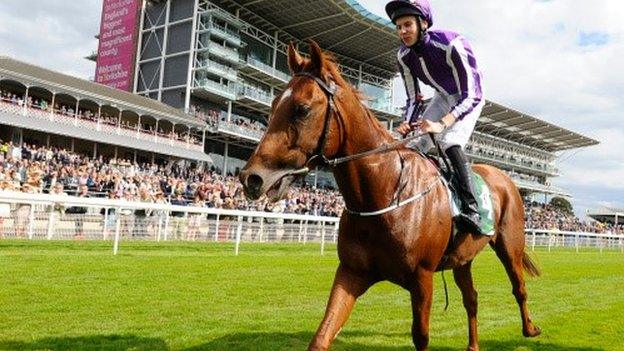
[(443, 60)]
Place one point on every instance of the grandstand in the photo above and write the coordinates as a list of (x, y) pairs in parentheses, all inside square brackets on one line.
[(202, 80), (226, 59)]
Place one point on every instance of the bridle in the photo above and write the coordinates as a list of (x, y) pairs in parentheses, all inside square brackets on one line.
[(319, 153)]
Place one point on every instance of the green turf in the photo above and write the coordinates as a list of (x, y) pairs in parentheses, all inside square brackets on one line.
[(156, 296)]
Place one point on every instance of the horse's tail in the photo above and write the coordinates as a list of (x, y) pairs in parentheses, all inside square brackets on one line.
[(529, 266)]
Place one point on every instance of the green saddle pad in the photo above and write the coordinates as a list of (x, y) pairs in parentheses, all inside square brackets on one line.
[(484, 199)]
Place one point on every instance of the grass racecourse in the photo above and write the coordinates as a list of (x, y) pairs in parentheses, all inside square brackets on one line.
[(168, 296)]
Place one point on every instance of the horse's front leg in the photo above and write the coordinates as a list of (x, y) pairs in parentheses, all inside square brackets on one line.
[(421, 294), (348, 286)]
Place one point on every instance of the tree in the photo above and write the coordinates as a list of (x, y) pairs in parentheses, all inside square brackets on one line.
[(562, 204)]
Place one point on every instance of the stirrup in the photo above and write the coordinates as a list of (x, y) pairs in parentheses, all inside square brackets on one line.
[(468, 223)]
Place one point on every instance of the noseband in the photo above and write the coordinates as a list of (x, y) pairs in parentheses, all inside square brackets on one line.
[(319, 153), (330, 91)]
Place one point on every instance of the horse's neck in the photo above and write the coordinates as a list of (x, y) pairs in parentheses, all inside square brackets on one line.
[(368, 183)]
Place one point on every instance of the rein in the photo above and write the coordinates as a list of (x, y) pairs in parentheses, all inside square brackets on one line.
[(330, 91), (319, 153)]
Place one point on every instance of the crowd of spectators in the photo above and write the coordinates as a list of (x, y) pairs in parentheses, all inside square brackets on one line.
[(33, 168), (214, 118), (546, 216), (506, 156)]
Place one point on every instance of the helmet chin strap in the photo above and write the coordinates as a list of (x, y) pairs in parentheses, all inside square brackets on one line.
[(421, 34)]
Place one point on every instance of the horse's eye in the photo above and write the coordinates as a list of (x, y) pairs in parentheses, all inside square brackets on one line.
[(302, 110)]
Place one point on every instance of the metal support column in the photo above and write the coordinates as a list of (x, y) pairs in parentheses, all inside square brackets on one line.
[(139, 45), (119, 122), (138, 127), (99, 117), (204, 139), (156, 130), (189, 76), (276, 38), (360, 77), (229, 111), (225, 158), (25, 102), (164, 51), (76, 112), (52, 106)]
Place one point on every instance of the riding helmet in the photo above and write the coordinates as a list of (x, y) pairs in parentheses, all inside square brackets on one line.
[(399, 8)]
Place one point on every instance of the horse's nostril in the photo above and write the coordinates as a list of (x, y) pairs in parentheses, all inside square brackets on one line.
[(254, 182)]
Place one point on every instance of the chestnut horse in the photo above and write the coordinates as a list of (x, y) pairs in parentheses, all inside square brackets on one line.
[(320, 116)]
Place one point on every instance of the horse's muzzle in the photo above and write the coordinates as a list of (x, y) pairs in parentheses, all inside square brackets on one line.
[(252, 184)]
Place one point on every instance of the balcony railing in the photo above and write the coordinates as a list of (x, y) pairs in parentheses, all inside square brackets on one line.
[(219, 69), (384, 107), (92, 124), (224, 33), (226, 53), (500, 156), (255, 93), (217, 88), (268, 69)]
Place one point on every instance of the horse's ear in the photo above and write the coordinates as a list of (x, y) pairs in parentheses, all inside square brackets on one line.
[(295, 61), (316, 58)]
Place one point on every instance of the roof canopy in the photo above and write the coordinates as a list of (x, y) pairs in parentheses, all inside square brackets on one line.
[(341, 26), (608, 215), (507, 123), (62, 83)]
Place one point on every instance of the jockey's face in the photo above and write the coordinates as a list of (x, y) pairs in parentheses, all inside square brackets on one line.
[(407, 30)]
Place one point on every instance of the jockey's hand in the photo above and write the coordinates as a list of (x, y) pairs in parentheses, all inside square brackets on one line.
[(427, 126), (404, 128)]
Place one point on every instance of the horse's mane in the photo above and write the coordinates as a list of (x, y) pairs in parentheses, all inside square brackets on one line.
[(331, 70)]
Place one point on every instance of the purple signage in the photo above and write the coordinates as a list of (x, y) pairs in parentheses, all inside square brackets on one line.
[(117, 48)]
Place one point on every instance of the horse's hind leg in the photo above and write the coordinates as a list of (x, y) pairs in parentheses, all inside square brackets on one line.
[(348, 286), (510, 250), (463, 279)]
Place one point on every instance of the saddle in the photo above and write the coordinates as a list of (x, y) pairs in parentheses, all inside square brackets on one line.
[(484, 198)]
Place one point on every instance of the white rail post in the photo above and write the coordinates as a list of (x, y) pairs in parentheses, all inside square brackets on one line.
[(31, 219), (117, 230), (336, 228), (159, 230), (323, 238), (239, 229), (576, 242), (550, 239), (533, 240), (51, 221), (216, 237), (261, 234), (105, 229), (166, 225), (300, 231)]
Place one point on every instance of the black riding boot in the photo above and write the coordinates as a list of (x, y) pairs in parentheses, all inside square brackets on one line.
[(469, 218)]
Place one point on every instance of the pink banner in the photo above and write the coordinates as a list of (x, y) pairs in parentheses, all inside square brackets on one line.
[(117, 49)]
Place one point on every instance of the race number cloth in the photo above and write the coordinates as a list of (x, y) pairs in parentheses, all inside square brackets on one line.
[(484, 198)]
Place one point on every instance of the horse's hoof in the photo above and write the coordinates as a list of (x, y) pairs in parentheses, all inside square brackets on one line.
[(472, 348), (532, 332)]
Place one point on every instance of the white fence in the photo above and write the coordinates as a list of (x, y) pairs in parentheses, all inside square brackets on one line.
[(43, 216)]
